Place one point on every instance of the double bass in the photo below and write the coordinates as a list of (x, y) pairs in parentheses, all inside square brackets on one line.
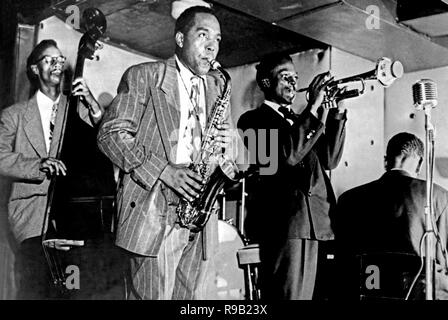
[(80, 205)]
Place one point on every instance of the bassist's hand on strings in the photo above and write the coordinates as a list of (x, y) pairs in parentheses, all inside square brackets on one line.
[(63, 244), (52, 166), (81, 89)]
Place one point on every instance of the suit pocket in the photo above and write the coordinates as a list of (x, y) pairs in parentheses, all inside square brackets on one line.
[(20, 190)]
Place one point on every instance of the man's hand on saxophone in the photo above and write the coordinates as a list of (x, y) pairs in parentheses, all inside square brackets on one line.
[(182, 180), (223, 135), (186, 182)]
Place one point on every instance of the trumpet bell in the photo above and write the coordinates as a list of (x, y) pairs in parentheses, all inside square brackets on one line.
[(387, 71)]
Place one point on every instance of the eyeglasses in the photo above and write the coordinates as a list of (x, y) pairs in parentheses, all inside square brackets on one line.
[(289, 77), (52, 60)]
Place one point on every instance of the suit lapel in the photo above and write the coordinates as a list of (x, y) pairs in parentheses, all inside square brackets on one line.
[(272, 115), (33, 127), (167, 109), (167, 106), (62, 107)]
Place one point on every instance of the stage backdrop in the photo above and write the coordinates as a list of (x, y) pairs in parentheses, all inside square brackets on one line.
[(402, 116), (362, 160)]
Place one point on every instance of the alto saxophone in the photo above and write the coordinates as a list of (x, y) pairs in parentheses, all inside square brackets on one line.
[(211, 164)]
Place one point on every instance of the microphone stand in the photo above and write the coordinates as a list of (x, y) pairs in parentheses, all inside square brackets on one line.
[(429, 212)]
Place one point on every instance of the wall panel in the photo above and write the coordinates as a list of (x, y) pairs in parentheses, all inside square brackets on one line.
[(362, 160), (363, 155), (400, 115)]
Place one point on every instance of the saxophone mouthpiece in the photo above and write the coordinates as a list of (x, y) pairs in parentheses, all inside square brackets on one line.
[(214, 64)]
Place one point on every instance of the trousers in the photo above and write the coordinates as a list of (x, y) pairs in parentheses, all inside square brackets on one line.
[(178, 272), (289, 271)]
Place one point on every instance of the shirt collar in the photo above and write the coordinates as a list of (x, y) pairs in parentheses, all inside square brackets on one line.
[(276, 106), (406, 172), (186, 73), (45, 100), (399, 172)]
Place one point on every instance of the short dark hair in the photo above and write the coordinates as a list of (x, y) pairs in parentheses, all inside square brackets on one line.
[(403, 144), (267, 64), (186, 20), (36, 54)]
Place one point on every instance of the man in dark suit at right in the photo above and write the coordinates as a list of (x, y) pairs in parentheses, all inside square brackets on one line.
[(388, 216), (290, 199)]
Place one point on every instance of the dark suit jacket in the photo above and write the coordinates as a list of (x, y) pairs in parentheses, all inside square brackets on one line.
[(294, 200), (139, 133), (387, 216), (22, 146)]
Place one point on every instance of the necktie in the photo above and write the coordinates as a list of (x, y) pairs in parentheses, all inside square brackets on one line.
[(288, 113), (193, 119), (54, 110)]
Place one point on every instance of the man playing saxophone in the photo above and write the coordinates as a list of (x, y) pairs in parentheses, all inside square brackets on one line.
[(152, 132)]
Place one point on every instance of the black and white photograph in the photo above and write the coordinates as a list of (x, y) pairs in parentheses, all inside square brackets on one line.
[(228, 155)]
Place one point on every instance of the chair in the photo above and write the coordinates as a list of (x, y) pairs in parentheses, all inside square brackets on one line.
[(388, 276), (249, 260), (248, 256)]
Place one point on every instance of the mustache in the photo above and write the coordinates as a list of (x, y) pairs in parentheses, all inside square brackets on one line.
[(56, 67)]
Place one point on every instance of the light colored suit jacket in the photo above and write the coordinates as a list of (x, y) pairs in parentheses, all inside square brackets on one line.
[(22, 146), (139, 133)]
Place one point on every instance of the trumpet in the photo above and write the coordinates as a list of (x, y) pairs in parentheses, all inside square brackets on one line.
[(385, 72)]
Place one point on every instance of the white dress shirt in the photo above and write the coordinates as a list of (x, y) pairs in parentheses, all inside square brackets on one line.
[(184, 86), (45, 105)]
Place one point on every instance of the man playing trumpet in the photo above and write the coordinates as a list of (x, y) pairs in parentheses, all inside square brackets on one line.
[(288, 211)]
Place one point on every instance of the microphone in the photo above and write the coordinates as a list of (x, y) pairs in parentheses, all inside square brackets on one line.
[(425, 94)]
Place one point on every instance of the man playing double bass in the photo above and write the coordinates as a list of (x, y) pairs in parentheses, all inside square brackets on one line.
[(30, 132)]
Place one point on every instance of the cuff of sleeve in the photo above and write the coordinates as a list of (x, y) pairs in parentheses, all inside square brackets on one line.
[(38, 174), (42, 175)]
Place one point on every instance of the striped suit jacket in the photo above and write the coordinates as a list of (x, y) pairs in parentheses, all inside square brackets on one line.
[(139, 133)]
